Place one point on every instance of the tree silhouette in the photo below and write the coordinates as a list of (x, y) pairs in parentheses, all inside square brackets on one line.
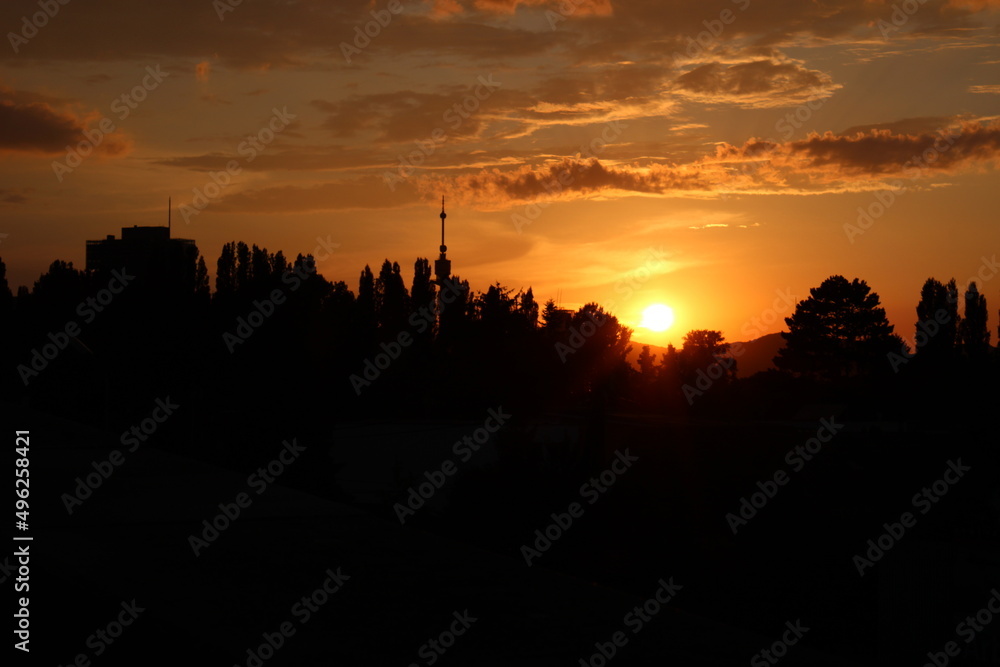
[(973, 331), (201, 279), (56, 293), (528, 308), (244, 268), (596, 349), (702, 349), (937, 320), (260, 267), (422, 291), (647, 364), (366, 317), (225, 271), (279, 265), (838, 331), (553, 318), (5, 294), (670, 364), (495, 309), (422, 295), (454, 316), (392, 301)]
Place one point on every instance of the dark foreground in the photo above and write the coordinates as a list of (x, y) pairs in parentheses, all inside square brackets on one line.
[(317, 568)]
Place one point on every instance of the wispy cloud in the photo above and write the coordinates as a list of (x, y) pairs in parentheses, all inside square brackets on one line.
[(819, 163)]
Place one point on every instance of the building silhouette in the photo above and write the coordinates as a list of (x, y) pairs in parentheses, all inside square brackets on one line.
[(149, 253)]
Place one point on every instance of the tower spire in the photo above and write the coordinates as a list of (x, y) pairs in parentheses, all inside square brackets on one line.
[(442, 266), (444, 215), (168, 216)]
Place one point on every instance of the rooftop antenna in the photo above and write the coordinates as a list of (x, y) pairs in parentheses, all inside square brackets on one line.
[(168, 216)]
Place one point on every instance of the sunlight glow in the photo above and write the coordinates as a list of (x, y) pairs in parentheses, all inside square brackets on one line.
[(657, 317)]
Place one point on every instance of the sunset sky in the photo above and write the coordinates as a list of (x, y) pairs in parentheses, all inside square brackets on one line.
[(711, 156)]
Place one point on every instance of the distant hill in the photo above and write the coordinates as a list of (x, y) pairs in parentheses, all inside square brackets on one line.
[(758, 354)]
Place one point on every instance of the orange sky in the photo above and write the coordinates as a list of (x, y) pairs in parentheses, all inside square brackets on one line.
[(712, 156)]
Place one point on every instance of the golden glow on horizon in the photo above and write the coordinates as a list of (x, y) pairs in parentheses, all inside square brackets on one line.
[(657, 317)]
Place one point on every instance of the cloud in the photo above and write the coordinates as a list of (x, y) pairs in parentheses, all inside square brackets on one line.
[(819, 163), (566, 179), (610, 92), (988, 89), (401, 118), (30, 123), (914, 126), (759, 84), (266, 34), (306, 34), (882, 152)]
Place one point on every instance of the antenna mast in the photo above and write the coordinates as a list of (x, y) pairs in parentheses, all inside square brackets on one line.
[(443, 216)]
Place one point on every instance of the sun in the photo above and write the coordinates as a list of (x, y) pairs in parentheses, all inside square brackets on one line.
[(657, 317)]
